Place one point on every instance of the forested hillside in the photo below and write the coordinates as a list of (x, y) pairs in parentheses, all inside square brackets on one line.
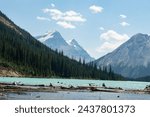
[(21, 52)]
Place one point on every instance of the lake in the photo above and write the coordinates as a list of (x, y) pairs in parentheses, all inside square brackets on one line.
[(75, 82), (74, 95)]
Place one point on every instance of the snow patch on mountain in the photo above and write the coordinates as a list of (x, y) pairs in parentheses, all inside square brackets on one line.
[(72, 49), (45, 37)]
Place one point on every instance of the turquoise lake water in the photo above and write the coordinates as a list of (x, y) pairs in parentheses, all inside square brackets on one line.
[(75, 82)]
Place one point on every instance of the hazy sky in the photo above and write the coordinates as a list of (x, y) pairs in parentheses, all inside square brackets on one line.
[(98, 25)]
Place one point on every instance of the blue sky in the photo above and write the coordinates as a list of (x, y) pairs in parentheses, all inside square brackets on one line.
[(99, 26)]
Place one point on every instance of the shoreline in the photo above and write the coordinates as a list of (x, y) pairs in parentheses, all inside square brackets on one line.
[(17, 88)]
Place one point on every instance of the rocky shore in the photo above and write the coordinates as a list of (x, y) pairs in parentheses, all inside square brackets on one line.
[(18, 88)]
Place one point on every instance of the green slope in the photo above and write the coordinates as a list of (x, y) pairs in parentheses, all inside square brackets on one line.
[(23, 53)]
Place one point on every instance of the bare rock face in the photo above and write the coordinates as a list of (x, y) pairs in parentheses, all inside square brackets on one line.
[(72, 48), (9, 72), (131, 59)]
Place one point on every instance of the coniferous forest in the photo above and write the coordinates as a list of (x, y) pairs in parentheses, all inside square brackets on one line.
[(24, 54)]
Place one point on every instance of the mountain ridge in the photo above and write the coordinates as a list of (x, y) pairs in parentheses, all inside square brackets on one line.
[(72, 48), (131, 59), (26, 56)]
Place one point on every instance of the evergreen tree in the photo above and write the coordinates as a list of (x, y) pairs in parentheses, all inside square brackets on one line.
[(23, 53)]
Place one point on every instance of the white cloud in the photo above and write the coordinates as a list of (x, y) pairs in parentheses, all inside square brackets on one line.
[(124, 24), (67, 17), (71, 16), (102, 28), (123, 16), (43, 18), (52, 5), (71, 13), (113, 35), (110, 41), (66, 25), (107, 47), (55, 13), (46, 10), (96, 9)]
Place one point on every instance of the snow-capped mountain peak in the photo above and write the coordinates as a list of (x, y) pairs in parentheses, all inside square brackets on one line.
[(53, 39), (44, 37), (74, 44), (48, 35), (56, 34), (72, 49)]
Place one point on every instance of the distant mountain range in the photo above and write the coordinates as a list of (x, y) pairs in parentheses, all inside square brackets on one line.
[(22, 55), (72, 49), (131, 59)]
